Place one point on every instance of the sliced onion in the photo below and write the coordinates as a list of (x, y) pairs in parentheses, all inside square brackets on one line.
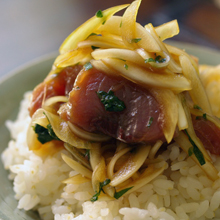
[(112, 25), (95, 155), (77, 154), (100, 65), (147, 78), (99, 175), (77, 179), (177, 52), (129, 24), (76, 166), (102, 43), (124, 54), (169, 111), (182, 119), (82, 32), (155, 149), (145, 55), (53, 100), (208, 167), (117, 156), (197, 93), (64, 133), (132, 165), (173, 65), (150, 173), (87, 135), (167, 30), (78, 56), (37, 118), (148, 41), (192, 133)]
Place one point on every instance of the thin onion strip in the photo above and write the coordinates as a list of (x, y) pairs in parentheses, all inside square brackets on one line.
[(87, 135), (132, 165), (76, 166), (148, 175), (192, 133), (155, 149), (64, 133), (77, 179), (167, 30), (208, 167), (147, 78), (111, 165), (124, 54), (82, 32), (78, 155), (53, 100), (197, 93)]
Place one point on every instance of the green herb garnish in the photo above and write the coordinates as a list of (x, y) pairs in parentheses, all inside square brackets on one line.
[(158, 59), (101, 185), (117, 195), (45, 135), (190, 151), (195, 150), (87, 154), (99, 14), (136, 40), (94, 47), (88, 66), (111, 102), (204, 116), (150, 122), (126, 66), (197, 107)]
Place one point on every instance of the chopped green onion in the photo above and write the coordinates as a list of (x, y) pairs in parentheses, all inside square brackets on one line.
[(99, 14), (197, 107), (136, 40), (190, 151), (150, 122), (87, 154), (149, 60), (117, 195), (158, 59), (111, 102), (88, 66), (101, 185), (196, 150), (45, 135), (204, 116), (126, 66), (94, 47)]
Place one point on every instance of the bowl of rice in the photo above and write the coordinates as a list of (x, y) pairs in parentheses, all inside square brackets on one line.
[(45, 186)]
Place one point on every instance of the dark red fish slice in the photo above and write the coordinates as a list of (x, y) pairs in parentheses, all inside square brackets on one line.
[(86, 111), (54, 85)]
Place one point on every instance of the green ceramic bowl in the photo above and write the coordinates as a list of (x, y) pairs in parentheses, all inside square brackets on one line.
[(12, 88)]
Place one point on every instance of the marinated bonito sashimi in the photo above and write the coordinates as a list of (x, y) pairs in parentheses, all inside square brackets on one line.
[(139, 120)]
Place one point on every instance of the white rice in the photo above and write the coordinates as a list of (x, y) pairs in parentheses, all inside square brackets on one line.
[(182, 192)]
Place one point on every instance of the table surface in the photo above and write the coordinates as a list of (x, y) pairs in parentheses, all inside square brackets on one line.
[(30, 29)]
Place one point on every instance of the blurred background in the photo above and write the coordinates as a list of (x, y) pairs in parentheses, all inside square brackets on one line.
[(30, 29)]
